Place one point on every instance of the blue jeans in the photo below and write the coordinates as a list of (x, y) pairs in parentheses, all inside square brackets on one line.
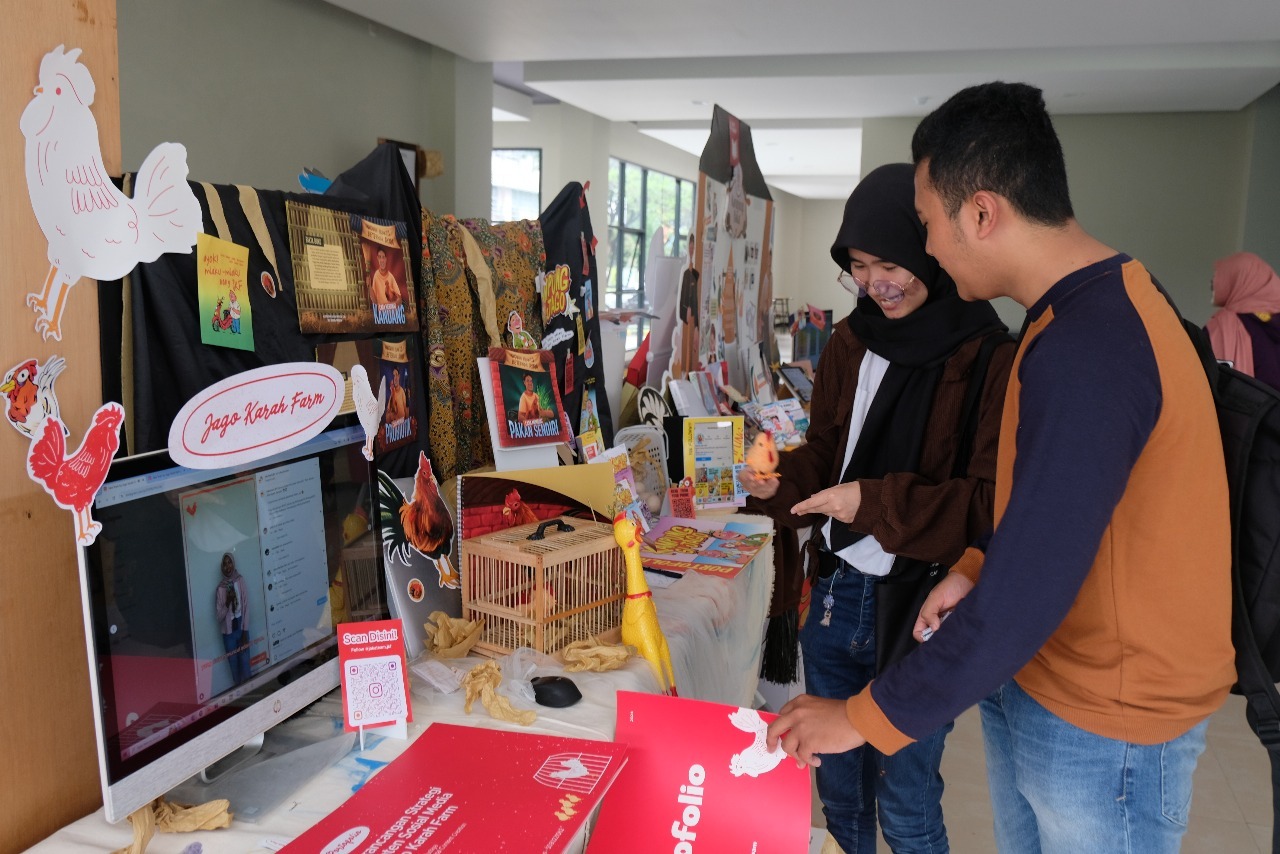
[(1057, 789), (237, 659), (839, 661)]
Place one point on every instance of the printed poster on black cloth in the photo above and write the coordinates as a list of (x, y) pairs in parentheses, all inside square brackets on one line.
[(526, 398), (395, 360), (570, 298), (351, 272)]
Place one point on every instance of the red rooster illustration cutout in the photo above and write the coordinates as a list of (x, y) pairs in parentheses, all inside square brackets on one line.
[(74, 481), (421, 523)]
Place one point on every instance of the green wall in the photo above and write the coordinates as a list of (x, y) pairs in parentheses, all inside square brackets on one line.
[(1262, 205), (258, 89), (1167, 188)]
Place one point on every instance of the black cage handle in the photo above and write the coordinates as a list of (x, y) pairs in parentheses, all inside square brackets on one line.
[(561, 526)]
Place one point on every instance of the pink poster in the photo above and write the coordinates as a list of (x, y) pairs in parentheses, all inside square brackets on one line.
[(698, 778)]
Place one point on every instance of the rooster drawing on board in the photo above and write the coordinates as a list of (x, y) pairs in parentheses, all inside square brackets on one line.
[(74, 481), (421, 523), (93, 229)]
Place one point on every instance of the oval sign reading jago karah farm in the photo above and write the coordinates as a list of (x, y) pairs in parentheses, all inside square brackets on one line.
[(255, 414)]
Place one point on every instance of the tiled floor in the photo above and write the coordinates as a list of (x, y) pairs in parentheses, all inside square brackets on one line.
[(1230, 808)]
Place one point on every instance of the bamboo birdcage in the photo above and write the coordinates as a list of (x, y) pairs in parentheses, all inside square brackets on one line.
[(543, 594)]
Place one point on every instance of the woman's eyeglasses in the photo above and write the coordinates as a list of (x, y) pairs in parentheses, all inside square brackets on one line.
[(883, 288)]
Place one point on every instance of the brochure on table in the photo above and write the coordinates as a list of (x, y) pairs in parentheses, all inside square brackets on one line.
[(466, 789), (719, 547), (698, 778)]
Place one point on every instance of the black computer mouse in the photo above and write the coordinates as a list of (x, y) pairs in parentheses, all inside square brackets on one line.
[(555, 691)]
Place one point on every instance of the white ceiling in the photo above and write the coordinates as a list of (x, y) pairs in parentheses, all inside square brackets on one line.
[(804, 73)]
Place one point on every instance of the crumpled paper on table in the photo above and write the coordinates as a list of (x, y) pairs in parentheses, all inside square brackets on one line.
[(482, 682), (165, 817), (589, 654), (451, 637)]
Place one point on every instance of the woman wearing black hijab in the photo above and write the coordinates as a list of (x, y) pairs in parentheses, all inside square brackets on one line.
[(896, 478)]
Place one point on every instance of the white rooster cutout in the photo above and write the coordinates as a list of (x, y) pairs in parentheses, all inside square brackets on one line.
[(368, 408), (756, 759), (93, 229)]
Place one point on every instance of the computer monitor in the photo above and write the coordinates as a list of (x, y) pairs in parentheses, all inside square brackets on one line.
[(211, 599)]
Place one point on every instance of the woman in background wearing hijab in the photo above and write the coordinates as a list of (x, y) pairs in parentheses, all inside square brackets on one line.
[(1246, 331), (896, 478)]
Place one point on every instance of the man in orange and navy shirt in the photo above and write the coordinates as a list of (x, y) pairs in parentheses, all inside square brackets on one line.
[(1093, 624)]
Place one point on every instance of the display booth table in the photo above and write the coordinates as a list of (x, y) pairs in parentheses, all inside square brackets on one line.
[(714, 629)]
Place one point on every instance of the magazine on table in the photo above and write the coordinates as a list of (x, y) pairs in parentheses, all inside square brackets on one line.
[(713, 546)]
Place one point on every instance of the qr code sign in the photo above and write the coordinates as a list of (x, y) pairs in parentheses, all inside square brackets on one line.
[(375, 691)]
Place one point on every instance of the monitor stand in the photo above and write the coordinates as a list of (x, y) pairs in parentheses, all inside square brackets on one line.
[(257, 783), (233, 760)]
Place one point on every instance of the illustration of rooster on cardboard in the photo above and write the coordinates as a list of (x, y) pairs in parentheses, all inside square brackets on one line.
[(74, 480), (93, 229), (421, 523)]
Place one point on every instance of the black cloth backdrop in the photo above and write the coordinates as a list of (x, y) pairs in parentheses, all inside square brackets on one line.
[(170, 363), (566, 232)]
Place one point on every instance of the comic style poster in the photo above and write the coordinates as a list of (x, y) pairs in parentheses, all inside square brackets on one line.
[(351, 272), (526, 398), (226, 315), (726, 295)]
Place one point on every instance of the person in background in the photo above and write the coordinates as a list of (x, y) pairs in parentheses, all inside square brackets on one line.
[(230, 603), (1096, 619), (1246, 330), (880, 482)]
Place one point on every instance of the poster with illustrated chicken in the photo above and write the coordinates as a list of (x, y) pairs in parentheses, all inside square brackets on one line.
[(222, 282), (93, 229), (417, 521), (464, 789), (698, 778)]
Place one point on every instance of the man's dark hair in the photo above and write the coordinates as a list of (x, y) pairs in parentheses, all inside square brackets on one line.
[(996, 137)]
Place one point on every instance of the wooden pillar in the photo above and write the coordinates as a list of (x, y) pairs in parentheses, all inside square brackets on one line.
[(48, 754)]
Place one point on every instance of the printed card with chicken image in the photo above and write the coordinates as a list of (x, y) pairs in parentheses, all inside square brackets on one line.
[(417, 522), (465, 789), (699, 778), (226, 314), (526, 398), (375, 674), (29, 397)]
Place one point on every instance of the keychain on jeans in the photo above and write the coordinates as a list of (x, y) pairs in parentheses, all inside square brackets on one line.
[(829, 601)]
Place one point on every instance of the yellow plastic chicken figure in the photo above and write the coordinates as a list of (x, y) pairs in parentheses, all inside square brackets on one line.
[(762, 456), (639, 615)]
